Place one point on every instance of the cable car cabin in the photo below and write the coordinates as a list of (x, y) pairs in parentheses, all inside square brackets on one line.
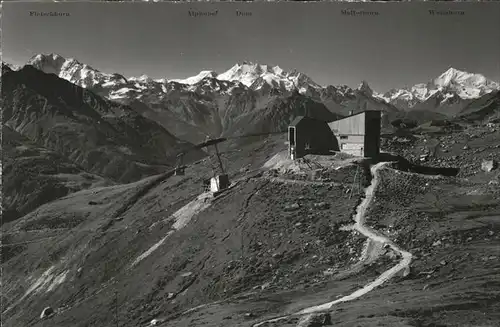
[(219, 183), (180, 171), (216, 184)]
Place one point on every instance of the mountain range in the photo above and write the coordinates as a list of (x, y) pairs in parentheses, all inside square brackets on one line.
[(255, 76), (213, 104), (205, 97)]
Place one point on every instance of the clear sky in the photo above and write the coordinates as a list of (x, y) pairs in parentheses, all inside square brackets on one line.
[(401, 46)]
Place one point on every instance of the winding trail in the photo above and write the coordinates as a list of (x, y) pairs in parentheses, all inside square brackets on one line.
[(359, 218)]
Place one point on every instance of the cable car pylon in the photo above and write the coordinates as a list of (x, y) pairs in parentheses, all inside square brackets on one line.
[(220, 179)]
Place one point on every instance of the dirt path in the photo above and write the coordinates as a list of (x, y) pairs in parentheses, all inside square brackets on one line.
[(374, 236), (301, 182)]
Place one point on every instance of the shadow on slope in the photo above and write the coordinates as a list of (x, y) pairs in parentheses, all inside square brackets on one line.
[(33, 175), (104, 137), (483, 109), (178, 127), (402, 164)]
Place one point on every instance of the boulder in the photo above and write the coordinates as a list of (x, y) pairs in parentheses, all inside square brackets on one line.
[(321, 205), (489, 165), (46, 313), (292, 207)]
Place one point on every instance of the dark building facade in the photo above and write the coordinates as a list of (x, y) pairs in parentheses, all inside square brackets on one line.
[(310, 136), (359, 134)]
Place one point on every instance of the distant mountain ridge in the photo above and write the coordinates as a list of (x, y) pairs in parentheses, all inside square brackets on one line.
[(212, 104), (256, 76)]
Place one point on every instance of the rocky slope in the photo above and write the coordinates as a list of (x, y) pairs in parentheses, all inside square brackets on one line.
[(103, 137), (273, 244), (486, 109), (448, 145)]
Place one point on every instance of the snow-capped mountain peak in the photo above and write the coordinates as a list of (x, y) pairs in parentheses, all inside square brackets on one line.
[(196, 79), (257, 76), (11, 66), (143, 78), (450, 84), (450, 75), (450, 87), (74, 71), (457, 79), (246, 73), (51, 63), (453, 75), (41, 57), (277, 70)]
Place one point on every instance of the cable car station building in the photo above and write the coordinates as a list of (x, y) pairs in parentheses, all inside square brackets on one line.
[(310, 136), (357, 134)]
